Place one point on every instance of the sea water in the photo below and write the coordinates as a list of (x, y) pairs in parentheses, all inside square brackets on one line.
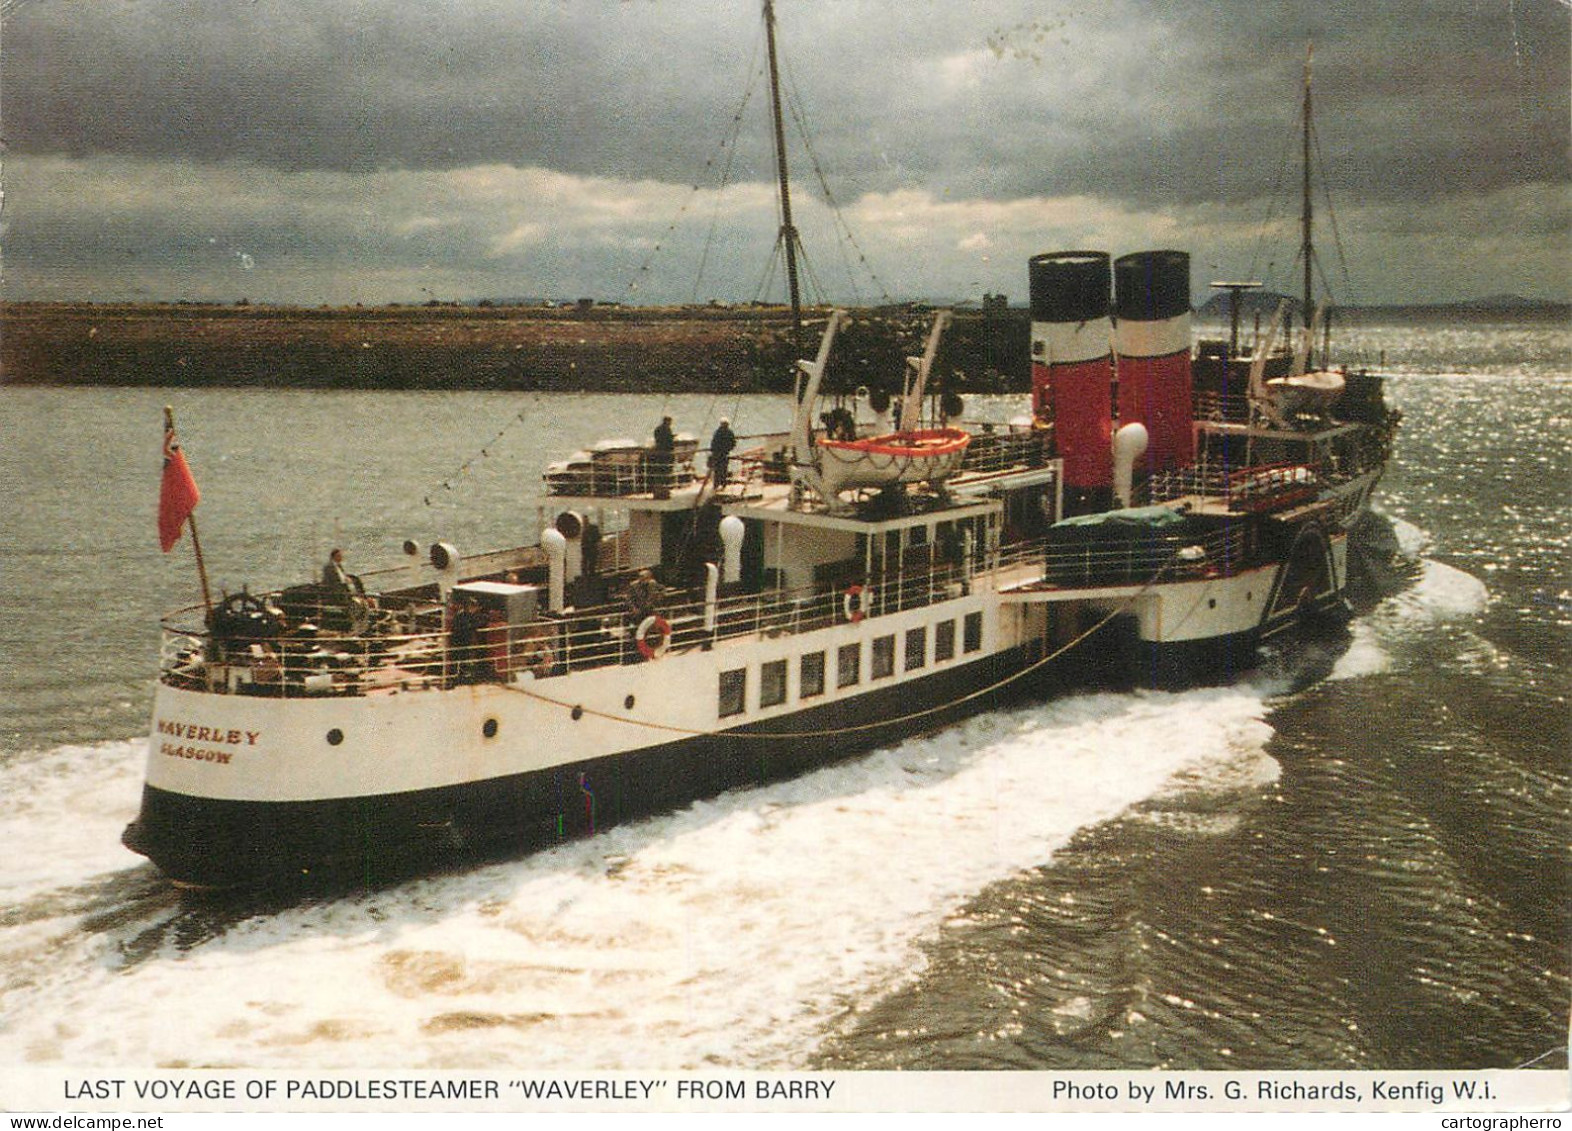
[(1354, 858)]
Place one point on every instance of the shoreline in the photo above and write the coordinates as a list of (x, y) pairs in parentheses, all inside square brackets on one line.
[(536, 348), (502, 348)]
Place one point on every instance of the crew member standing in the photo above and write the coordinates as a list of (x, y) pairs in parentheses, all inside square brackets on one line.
[(721, 445), (343, 590), (661, 461)]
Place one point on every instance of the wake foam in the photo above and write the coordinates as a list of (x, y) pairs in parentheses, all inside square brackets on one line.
[(737, 932), (1437, 593), (65, 810)]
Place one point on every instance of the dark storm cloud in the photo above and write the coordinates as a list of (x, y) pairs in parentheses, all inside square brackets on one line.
[(1413, 101), (1136, 100), (592, 87), (541, 145)]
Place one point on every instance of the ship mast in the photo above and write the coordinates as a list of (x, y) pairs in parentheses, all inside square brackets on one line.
[(1306, 249), (788, 233)]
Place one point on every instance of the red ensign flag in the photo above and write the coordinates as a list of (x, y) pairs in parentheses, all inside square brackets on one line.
[(178, 496)]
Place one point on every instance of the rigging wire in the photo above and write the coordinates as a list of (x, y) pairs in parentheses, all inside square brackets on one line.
[(767, 278), (730, 145), (1275, 200), (726, 147), (799, 117), (1337, 235), (485, 453)]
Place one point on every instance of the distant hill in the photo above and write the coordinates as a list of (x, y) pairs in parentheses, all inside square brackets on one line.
[(1508, 302)]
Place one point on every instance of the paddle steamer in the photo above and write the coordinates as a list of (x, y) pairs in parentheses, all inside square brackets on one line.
[(1153, 518)]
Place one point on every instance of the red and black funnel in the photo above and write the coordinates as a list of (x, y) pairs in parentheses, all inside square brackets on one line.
[(1072, 363), (1152, 343)]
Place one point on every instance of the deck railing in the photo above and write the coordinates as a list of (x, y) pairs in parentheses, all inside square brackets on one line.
[(1127, 561), (1218, 408), (1006, 449), (399, 643), (405, 642)]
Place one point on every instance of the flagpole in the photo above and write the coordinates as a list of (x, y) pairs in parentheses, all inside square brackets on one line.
[(196, 542)]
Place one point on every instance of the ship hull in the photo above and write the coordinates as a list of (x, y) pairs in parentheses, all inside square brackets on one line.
[(216, 842)]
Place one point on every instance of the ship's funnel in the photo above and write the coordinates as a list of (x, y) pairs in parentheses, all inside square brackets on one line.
[(1072, 369), (1152, 342)]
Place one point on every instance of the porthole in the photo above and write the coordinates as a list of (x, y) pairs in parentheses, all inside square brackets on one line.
[(628, 703), (335, 736), (1211, 603), (489, 728), (578, 713)]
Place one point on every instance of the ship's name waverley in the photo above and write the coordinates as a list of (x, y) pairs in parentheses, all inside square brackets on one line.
[(229, 735)]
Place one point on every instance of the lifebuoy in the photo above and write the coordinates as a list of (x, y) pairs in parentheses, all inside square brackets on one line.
[(662, 630), (857, 602)]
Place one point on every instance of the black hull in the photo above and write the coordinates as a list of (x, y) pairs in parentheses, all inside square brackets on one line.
[(1215, 661), (374, 839)]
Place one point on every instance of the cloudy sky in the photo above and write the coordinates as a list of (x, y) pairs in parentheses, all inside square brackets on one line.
[(370, 151)]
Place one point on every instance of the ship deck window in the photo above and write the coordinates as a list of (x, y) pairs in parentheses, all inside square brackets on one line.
[(848, 665), (916, 648), (772, 683), (943, 641), (883, 660), (733, 692), (810, 676), (973, 635)]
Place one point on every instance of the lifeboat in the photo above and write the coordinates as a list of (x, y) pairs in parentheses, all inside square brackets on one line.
[(917, 456)]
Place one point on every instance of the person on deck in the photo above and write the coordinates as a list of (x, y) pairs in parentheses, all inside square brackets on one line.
[(661, 461), (335, 578), (721, 445), (643, 598), (643, 595), (343, 590), (464, 640)]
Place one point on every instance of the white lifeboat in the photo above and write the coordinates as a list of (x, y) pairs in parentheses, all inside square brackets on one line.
[(925, 455)]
